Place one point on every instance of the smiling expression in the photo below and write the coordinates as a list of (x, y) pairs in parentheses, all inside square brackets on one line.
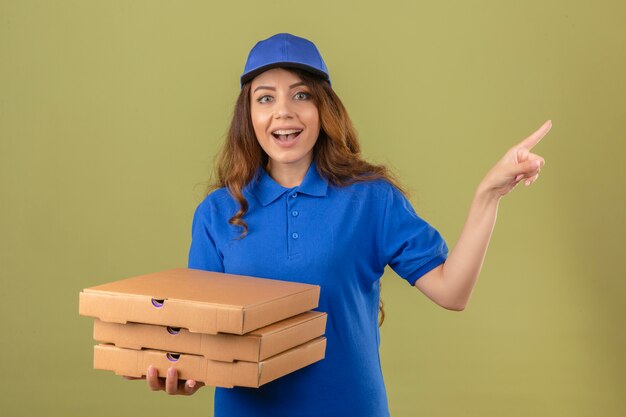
[(285, 119)]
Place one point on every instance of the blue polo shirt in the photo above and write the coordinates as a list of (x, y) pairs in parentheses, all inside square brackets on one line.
[(340, 238)]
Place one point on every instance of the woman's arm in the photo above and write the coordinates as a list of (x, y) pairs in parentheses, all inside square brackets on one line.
[(450, 285)]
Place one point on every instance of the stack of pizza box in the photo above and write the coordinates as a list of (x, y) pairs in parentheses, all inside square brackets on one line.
[(224, 330)]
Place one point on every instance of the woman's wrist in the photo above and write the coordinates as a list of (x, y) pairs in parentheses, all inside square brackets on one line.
[(487, 195)]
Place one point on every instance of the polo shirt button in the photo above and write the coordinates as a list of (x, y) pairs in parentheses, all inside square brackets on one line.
[(294, 213), (294, 195), (295, 235)]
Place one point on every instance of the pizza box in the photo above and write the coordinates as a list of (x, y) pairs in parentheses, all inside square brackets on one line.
[(200, 301), (254, 346), (135, 363)]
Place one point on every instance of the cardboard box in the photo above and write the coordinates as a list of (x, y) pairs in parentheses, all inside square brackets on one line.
[(135, 363), (255, 346), (200, 301)]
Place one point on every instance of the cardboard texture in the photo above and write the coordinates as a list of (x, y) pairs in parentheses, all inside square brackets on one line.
[(200, 301), (135, 363), (254, 346)]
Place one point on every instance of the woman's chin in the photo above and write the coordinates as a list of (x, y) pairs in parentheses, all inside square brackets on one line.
[(291, 160)]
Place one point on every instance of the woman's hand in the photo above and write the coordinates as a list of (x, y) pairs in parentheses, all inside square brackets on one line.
[(170, 383), (518, 164)]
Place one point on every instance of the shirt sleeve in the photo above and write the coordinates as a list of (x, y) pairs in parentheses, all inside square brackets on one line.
[(410, 246), (203, 253)]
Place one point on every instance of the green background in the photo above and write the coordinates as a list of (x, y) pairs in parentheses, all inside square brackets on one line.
[(111, 112)]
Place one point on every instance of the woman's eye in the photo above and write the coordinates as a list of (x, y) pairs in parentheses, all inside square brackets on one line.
[(264, 99), (302, 96)]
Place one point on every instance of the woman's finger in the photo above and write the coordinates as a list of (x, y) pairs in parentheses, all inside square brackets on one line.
[(524, 169), (522, 155), (532, 180), (533, 157), (536, 136), (189, 386), (153, 379), (192, 386), (171, 382)]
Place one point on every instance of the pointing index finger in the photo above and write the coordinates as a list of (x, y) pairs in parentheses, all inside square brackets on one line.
[(536, 136)]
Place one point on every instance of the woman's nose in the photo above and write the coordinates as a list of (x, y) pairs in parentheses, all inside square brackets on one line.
[(283, 109)]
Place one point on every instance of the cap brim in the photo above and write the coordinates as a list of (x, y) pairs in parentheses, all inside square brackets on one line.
[(251, 74)]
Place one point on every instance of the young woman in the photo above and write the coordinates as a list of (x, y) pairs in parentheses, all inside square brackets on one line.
[(294, 200)]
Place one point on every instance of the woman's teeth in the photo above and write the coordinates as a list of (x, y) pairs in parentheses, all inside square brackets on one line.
[(286, 134)]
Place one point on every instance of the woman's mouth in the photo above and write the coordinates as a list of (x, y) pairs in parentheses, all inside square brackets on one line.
[(286, 136)]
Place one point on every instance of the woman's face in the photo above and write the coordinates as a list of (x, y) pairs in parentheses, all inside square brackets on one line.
[(285, 119)]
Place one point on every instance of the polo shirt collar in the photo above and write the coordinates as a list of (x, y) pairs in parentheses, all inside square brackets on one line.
[(267, 190)]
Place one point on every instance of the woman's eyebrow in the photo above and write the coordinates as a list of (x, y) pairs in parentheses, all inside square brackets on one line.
[(274, 88)]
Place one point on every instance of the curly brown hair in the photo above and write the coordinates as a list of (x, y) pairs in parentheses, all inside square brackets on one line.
[(337, 152)]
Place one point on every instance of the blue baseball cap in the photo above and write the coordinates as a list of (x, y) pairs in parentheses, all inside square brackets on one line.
[(284, 50)]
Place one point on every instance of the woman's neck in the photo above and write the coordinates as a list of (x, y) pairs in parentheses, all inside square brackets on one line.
[(288, 175)]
